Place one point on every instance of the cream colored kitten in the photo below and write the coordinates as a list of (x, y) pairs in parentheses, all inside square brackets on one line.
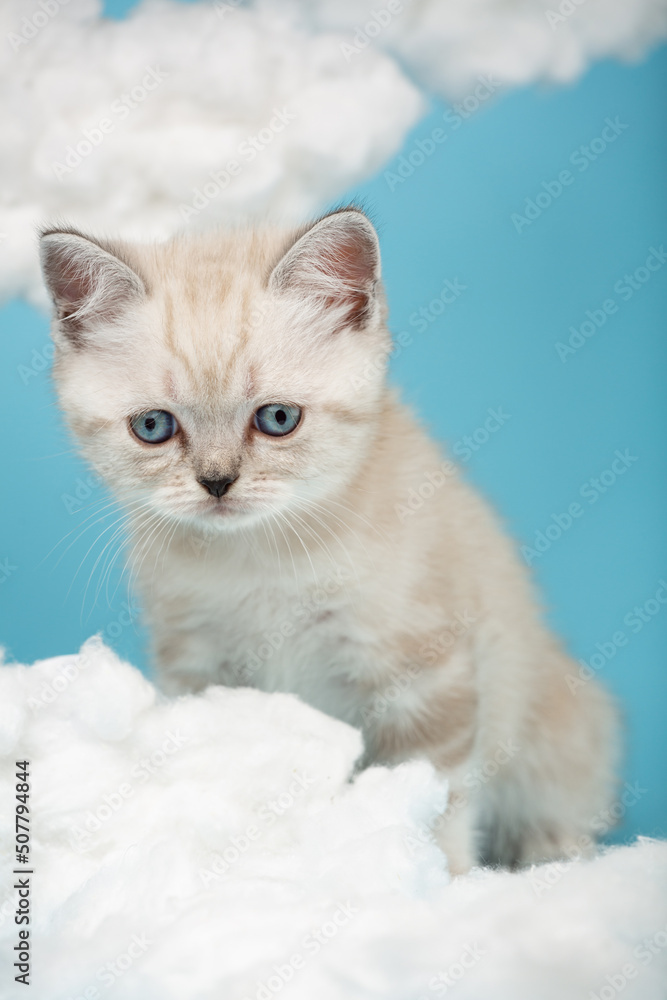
[(293, 528)]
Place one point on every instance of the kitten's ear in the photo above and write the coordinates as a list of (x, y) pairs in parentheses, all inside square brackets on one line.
[(89, 284), (336, 262)]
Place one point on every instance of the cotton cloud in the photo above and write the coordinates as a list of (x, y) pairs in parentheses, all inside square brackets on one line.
[(219, 845), (188, 115), (181, 115), (449, 44)]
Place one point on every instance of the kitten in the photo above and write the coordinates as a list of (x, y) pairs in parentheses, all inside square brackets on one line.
[(294, 529)]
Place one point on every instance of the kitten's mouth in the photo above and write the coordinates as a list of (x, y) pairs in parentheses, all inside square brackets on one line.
[(221, 508), (216, 510), (224, 508)]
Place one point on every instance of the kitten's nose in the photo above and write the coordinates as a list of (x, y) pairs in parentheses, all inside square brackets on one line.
[(218, 487)]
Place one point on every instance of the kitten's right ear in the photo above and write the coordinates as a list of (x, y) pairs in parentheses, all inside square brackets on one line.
[(88, 283), (334, 263)]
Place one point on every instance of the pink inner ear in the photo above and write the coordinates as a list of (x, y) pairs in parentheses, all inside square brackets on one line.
[(88, 283), (73, 282), (347, 259), (337, 261)]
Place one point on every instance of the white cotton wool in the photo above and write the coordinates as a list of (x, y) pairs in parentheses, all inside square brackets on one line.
[(451, 46), (129, 127), (184, 116), (222, 845)]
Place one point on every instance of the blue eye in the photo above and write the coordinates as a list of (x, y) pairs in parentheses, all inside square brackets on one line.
[(277, 419), (155, 426)]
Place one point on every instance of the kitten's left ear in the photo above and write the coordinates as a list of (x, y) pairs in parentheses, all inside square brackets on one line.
[(89, 283), (335, 263)]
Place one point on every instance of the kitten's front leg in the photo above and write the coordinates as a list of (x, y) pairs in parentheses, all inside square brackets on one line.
[(187, 659), (437, 719), (455, 831)]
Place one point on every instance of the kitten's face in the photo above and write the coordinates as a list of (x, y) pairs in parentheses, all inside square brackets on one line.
[(222, 381)]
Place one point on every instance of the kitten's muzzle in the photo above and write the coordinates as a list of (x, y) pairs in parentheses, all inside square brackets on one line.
[(218, 487)]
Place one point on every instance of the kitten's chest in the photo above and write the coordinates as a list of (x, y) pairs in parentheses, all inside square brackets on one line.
[(290, 628)]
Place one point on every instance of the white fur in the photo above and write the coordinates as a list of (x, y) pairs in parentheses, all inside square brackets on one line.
[(316, 573)]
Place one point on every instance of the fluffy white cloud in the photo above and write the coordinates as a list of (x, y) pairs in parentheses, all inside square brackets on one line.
[(121, 126), (116, 126), (216, 845), (449, 44)]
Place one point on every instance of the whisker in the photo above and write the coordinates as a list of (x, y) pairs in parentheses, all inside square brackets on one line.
[(114, 503), (146, 541), (315, 535), (336, 535), (109, 563), (118, 533), (316, 506), (117, 503), (275, 546), (137, 533), (122, 517), (122, 521), (139, 512), (162, 551), (350, 510), (303, 545), (289, 547)]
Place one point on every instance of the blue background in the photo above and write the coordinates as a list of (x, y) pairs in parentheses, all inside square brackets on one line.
[(494, 346)]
